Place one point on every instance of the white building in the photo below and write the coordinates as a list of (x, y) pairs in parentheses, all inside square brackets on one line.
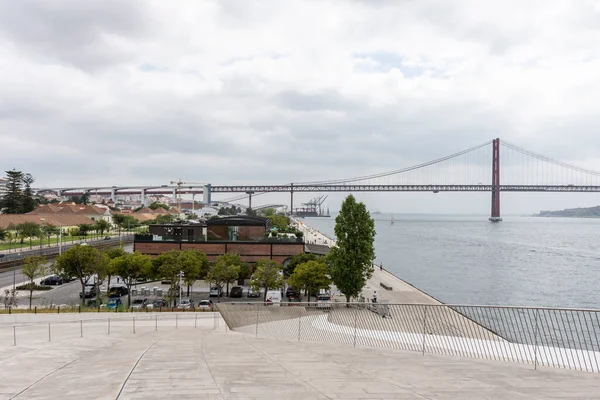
[(2, 187)]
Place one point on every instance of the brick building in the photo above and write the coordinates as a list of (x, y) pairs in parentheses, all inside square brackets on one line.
[(237, 234)]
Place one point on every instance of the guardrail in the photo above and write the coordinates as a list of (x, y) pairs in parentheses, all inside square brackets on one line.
[(23, 330), (564, 338), (13, 259)]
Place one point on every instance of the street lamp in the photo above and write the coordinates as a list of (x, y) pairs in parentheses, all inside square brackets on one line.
[(180, 286)]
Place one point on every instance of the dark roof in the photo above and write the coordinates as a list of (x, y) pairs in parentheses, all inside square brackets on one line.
[(238, 220)]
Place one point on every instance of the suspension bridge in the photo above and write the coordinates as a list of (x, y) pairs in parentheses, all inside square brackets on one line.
[(494, 166)]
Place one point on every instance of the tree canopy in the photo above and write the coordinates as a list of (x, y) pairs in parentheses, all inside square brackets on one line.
[(82, 262), (267, 275), (312, 276), (281, 222), (225, 269), (298, 259), (130, 267), (18, 198), (352, 258)]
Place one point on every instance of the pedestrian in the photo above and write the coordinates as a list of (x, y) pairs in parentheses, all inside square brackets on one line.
[(374, 296), (381, 266)]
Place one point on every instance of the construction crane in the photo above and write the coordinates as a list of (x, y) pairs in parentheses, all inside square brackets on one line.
[(179, 183)]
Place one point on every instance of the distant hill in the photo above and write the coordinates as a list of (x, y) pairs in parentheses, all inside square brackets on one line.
[(588, 212)]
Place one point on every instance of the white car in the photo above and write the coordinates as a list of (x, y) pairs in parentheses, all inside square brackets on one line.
[(205, 305), (185, 304), (323, 301), (138, 304)]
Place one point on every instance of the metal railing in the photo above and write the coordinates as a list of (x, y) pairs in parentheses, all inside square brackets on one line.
[(565, 338), (26, 331)]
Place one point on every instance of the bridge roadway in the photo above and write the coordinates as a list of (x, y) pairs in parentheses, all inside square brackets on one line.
[(288, 188)]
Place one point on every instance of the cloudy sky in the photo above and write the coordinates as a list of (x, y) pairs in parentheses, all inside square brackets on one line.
[(145, 92)]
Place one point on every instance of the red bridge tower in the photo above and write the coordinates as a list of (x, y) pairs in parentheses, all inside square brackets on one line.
[(495, 181)]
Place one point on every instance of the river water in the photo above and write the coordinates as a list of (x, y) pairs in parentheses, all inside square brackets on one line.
[(524, 261)]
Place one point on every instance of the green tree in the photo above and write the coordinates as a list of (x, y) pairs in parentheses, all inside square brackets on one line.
[(311, 276), (166, 267), (352, 259), (4, 234), (82, 262), (130, 267), (102, 226), (164, 218), (269, 212), (250, 212), (11, 202), (28, 230), (226, 269), (27, 200), (33, 267), (281, 222), (194, 265), (111, 253), (156, 205), (223, 271), (267, 275), (84, 229), (298, 259)]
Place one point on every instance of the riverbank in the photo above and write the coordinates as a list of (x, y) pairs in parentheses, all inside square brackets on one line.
[(400, 292)]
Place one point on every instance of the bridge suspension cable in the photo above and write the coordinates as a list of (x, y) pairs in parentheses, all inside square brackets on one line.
[(398, 171)]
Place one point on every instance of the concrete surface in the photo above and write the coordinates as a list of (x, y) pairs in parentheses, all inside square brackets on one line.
[(207, 362)]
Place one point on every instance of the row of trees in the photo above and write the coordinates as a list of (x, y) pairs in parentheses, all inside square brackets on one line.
[(18, 198), (30, 230)]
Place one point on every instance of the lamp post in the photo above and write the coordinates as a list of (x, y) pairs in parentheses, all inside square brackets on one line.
[(180, 286)]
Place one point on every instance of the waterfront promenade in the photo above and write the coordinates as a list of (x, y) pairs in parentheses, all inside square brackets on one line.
[(202, 360)]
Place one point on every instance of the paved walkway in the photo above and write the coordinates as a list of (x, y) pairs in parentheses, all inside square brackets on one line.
[(207, 363)]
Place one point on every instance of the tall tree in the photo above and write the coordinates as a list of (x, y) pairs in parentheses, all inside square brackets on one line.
[(102, 225), (12, 201), (130, 267), (166, 267), (27, 200), (225, 269), (4, 234), (311, 276), (267, 275), (33, 267), (352, 259), (82, 262), (194, 265)]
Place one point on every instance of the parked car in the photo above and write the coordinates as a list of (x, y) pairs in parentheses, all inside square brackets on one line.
[(118, 291), (158, 303), (323, 301), (185, 304), (290, 292), (214, 291), (253, 293), (205, 304), (106, 237), (295, 299), (52, 280), (113, 303), (138, 304), (90, 291), (93, 303), (236, 291)]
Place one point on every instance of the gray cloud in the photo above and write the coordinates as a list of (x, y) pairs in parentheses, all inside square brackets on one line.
[(103, 93)]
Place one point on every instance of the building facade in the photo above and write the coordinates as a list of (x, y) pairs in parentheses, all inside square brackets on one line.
[(241, 235)]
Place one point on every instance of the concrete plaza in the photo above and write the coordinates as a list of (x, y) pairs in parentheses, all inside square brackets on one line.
[(195, 357)]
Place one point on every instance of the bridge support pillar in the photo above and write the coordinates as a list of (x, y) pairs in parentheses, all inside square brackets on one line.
[(113, 195), (206, 194), (291, 199), (59, 193), (143, 195), (175, 196), (249, 199), (495, 217)]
